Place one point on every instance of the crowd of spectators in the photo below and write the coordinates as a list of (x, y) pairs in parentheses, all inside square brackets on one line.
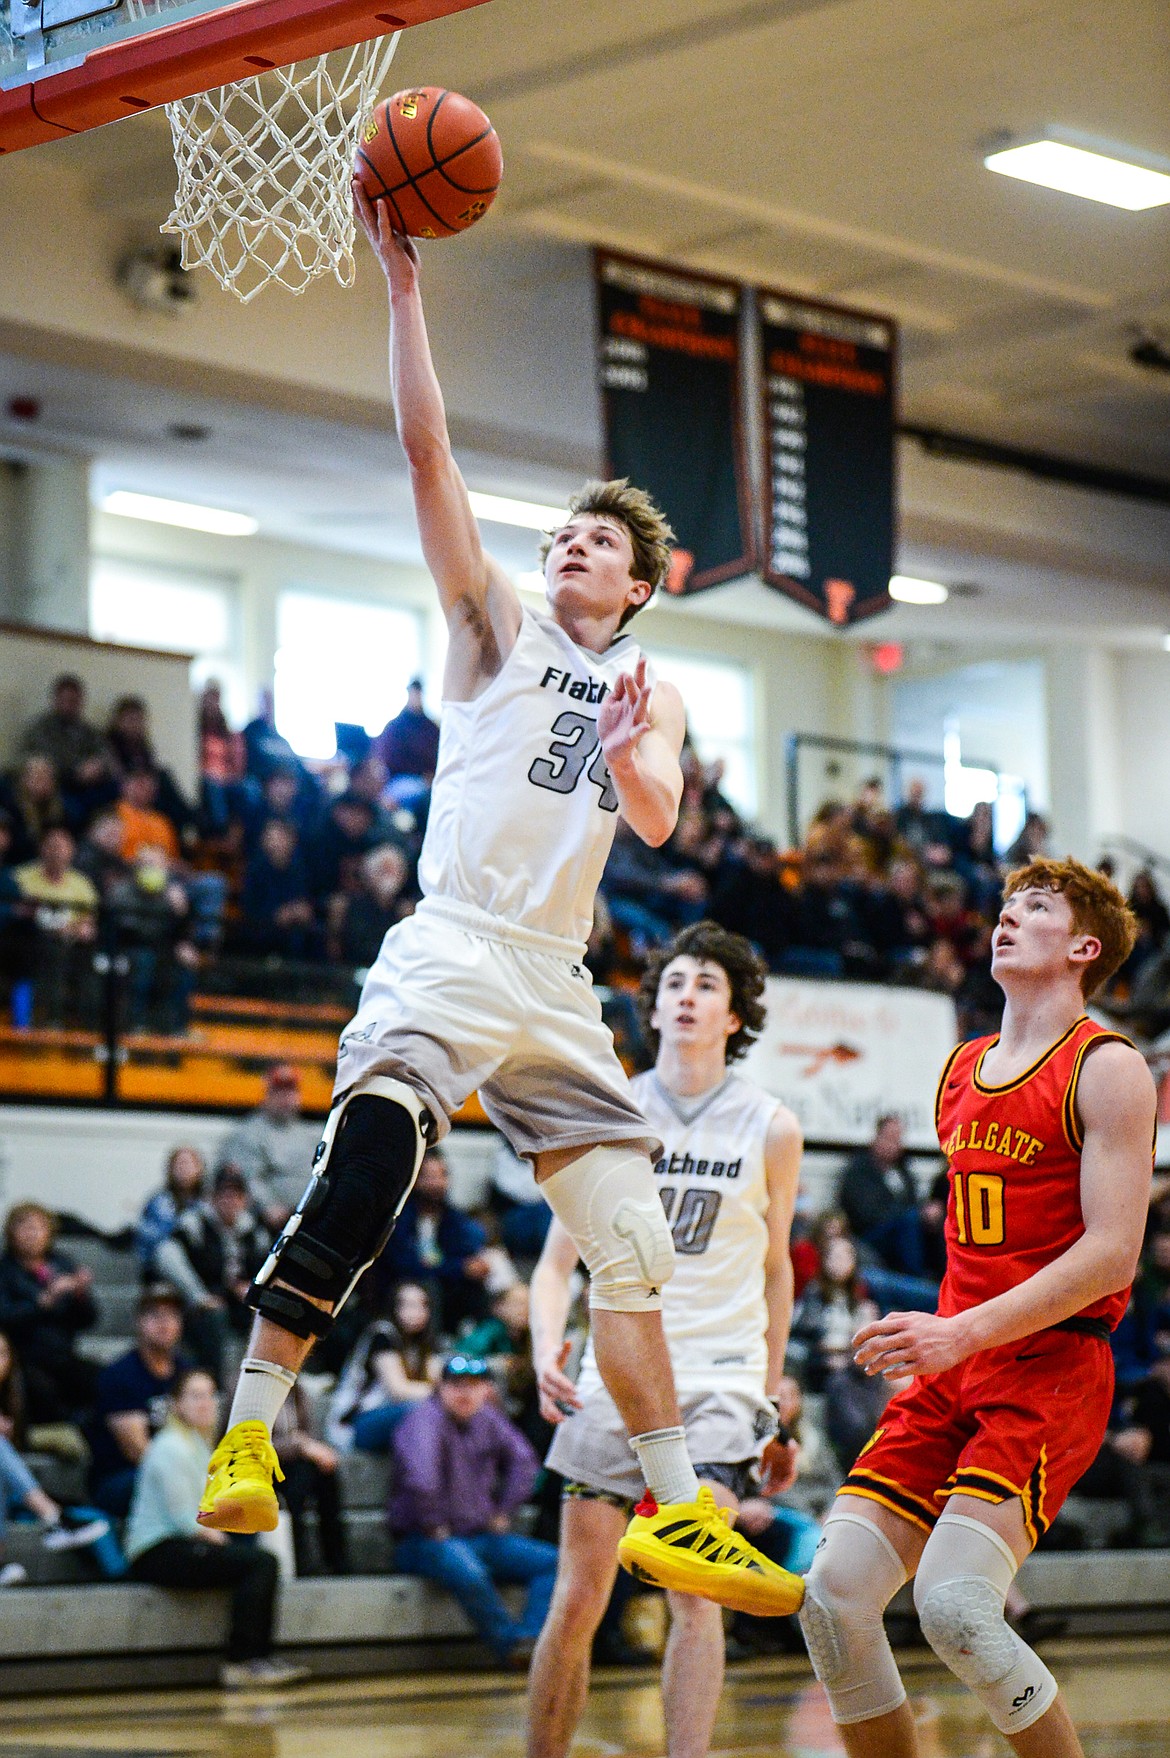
[(290, 864), (430, 1370)]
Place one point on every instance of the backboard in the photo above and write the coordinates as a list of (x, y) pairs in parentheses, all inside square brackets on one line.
[(70, 65)]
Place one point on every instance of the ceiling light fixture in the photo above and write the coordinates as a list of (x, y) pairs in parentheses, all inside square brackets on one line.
[(499, 509), (1077, 165), (907, 590), (217, 520)]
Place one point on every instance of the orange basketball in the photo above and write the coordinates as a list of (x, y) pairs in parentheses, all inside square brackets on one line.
[(434, 157)]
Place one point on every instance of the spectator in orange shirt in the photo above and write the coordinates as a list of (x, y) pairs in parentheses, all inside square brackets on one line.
[(143, 826)]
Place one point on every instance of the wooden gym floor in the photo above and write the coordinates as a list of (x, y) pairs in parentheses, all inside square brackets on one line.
[(1118, 1692)]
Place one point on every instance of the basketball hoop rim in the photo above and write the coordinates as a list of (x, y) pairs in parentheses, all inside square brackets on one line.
[(184, 58)]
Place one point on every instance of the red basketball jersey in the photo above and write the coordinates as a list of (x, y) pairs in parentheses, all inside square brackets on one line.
[(1014, 1158)]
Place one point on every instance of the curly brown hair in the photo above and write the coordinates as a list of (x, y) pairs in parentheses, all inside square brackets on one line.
[(650, 532), (1097, 906), (745, 970)]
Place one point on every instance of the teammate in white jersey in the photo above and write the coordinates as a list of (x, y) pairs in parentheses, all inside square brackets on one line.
[(551, 725), (727, 1178)]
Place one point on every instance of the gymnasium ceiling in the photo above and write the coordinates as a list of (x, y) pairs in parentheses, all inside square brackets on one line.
[(831, 147)]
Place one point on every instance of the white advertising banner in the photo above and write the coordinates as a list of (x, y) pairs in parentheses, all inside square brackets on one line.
[(842, 1054)]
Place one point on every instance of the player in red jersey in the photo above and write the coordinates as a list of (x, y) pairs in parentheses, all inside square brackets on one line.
[(1047, 1130)]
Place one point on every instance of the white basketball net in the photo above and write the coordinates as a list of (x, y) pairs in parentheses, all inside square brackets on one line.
[(265, 168)]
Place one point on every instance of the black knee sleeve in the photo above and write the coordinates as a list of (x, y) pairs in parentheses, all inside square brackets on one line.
[(363, 1172)]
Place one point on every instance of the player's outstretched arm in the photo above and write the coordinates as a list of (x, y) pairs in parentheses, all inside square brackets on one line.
[(477, 597), (1117, 1106), (782, 1151), (550, 1297), (642, 727)]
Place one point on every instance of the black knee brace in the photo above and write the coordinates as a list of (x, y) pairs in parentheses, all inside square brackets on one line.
[(364, 1170)]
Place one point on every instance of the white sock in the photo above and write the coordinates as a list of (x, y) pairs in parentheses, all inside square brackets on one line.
[(666, 1465), (261, 1391)]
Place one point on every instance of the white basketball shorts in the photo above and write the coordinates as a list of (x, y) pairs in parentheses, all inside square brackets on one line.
[(459, 1001), (592, 1447)]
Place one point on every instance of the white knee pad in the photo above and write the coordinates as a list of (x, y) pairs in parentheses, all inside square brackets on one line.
[(959, 1592), (609, 1205), (855, 1574)]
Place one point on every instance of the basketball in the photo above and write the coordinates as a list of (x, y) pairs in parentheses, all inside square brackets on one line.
[(434, 157)]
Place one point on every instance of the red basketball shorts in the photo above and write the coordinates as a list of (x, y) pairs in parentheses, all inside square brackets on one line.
[(1024, 1420)]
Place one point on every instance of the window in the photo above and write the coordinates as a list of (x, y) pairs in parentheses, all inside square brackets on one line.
[(717, 696), (143, 604), (338, 659)]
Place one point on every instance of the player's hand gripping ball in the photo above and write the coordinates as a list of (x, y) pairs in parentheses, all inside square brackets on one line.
[(433, 158)]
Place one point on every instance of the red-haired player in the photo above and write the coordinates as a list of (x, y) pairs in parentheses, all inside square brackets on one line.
[(1047, 1130)]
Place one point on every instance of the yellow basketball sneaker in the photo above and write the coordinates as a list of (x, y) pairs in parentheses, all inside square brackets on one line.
[(691, 1547), (239, 1496)]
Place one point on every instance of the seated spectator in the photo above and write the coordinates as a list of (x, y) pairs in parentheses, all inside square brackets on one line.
[(80, 757), (647, 894), (515, 1200), (893, 918), (976, 861), (461, 1472), (1031, 843), (367, 781), (408, 745), (128, 737), (282, 794), (32, 799), (61, 1528), (279, 915), (214, 1250), (750, 898), (438, 1245), (505, 1343), (833, 1306), (143, 824), (393, 1366), (1149, 906), (310, 1476), (45, 1303), (148, 921), (222, 763), (359, 919), (336, 845), (925, 832), (65, 926), (99, 852), (829, 930), (265, 749), (880, 1199), (167, 1547), (273, 1147), (186, 1173), (130, 1403)]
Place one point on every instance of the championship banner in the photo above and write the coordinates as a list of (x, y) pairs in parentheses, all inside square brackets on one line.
[(828, 388), (840, 1055), (669, 369)]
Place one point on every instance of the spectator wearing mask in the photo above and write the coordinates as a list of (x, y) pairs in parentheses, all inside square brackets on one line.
[(167, 1547), (45, 1303), (148, 916), (183, 1182), (461, 1472), (273, 1147), (393, 1366), (438, 1245), (130, 1404), (214, 1250)]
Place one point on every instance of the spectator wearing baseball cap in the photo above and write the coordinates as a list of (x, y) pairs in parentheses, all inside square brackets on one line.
[(132, 1394), (461, 1471), (273, 1147)]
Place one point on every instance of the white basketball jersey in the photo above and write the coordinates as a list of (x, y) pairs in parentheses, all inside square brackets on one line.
[(523, 810), (713, 1182)]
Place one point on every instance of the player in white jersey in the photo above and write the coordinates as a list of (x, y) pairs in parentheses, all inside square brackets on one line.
[(727, 1178), (552, 724)]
